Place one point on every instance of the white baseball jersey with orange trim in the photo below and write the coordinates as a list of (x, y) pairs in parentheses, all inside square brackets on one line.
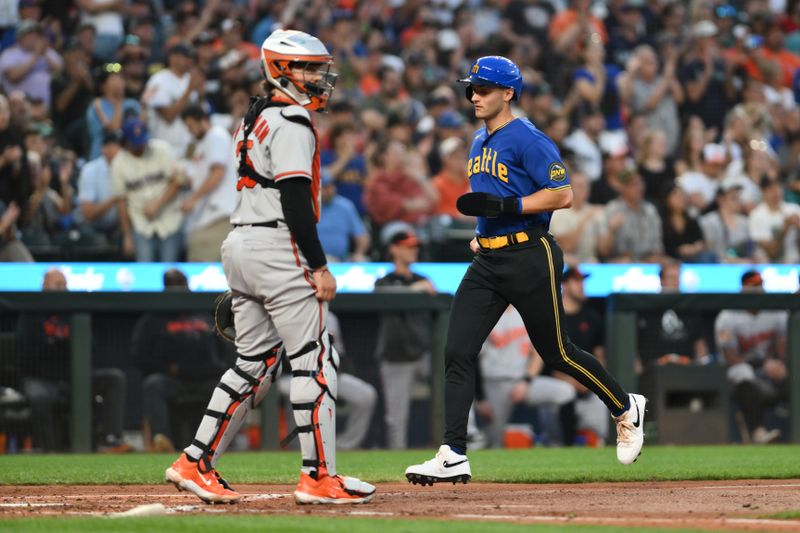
[(277, 149)]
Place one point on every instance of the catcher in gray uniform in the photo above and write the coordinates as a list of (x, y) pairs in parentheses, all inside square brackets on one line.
[(280, 284)]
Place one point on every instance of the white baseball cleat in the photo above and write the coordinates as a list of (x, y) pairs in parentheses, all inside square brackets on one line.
[(630, 430), (446, 466)]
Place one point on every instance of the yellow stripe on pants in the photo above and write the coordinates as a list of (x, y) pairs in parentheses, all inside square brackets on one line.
[(558, 328)]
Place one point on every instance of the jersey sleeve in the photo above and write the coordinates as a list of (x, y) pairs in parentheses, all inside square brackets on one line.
[(543, 164), (292, 151)]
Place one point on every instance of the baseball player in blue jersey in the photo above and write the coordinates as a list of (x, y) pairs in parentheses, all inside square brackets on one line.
[(518, 180)]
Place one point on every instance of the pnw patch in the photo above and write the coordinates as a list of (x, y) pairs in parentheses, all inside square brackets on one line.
[(557, 172)]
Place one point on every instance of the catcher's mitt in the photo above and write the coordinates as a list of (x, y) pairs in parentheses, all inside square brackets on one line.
[(223, 316)]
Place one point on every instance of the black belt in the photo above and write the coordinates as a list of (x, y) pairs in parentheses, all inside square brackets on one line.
[(270, 224)]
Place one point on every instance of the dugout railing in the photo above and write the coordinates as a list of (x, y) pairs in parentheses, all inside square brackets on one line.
[(622, 331), (83, 306)]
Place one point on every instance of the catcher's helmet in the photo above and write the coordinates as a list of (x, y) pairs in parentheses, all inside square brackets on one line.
[(284, 49), (496, 71)]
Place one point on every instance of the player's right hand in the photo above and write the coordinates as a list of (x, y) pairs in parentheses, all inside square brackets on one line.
[(325, 284)]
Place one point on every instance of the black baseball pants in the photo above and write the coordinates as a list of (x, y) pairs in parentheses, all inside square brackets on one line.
[(527, 276)]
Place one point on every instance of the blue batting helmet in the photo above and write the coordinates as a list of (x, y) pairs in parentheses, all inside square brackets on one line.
[(497, 71)]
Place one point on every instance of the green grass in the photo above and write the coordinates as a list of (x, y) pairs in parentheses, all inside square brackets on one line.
[(537, 465), (785, 515), (291, 524)]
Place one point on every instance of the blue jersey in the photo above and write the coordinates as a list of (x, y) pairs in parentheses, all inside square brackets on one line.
[(515, 160)]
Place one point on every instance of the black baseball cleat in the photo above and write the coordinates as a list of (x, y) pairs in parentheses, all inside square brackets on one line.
[(447, 466)]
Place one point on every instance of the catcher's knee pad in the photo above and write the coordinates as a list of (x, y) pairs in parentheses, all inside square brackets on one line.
[(239, 390), (313, 396)]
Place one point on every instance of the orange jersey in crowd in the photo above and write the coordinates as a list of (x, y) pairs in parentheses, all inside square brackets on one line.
[(449, 191)]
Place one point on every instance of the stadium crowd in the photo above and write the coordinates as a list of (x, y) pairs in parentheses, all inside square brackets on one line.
[(679, 122)]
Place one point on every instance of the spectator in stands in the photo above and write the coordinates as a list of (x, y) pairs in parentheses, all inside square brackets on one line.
[(398, 189), (107, 19), (404, 338), (235, 52), (557, 128), (358, 396), (656, 96), (595, 83), (656, 168), (701, 186), (73, 88), (773, 52), (569, 27), (86, 35), (167, 94), (757, 163), (725, 229), (629, 35), (212, 180), (584, 325), (15, 180), (511, 370), (449, 124), (774, 226), (584, 142), (96, 203), (579, 228), (616, 161), (452, 181), (391, 96), (134, 59), (634, 227), (45, 354), (754, 346), (29, 65), (48, 212), (11, 248), (345, 163), (693, 140), (705, 78), (538, 102), (190, 20), (341, 231), (179, 354), (110, 108), (146, 179), (683, 239)]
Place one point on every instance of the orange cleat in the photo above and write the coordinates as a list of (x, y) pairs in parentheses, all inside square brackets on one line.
[(332, 489), (208, 486)]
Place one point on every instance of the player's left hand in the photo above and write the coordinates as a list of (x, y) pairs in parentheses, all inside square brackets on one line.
[(481, 204), (325, 284)]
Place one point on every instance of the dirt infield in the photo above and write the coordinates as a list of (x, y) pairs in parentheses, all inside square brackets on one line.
[(713, 505)]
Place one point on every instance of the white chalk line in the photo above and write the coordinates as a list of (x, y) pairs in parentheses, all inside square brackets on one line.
[(35, 504)]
